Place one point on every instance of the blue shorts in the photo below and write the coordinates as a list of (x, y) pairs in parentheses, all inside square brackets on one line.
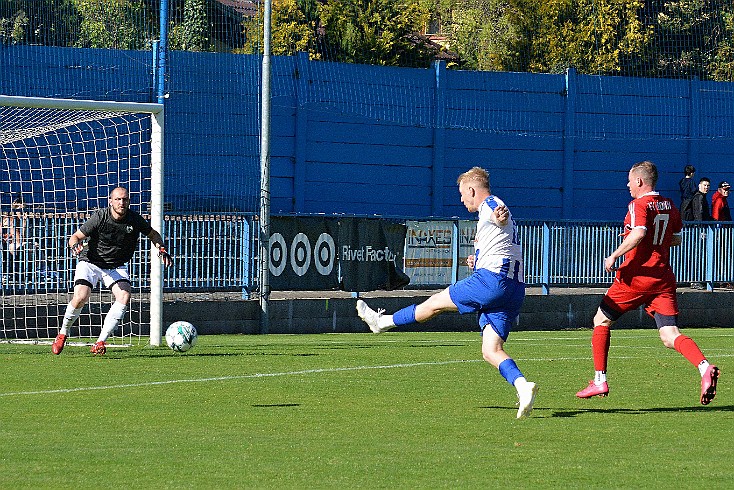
[(495, 297)]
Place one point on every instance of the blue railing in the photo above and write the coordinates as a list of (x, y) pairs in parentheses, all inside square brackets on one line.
[(571, 254), (211, 252), (218, 252)]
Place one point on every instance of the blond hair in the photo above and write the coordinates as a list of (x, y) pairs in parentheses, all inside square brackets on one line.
[(648, 171), (477, 176)]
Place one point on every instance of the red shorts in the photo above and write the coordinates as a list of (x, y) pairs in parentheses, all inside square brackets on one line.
[(620, 299)]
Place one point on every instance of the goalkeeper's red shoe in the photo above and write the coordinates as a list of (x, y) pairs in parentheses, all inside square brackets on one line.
[(58, 344), (708, 384), (594, 390), (98, 348)]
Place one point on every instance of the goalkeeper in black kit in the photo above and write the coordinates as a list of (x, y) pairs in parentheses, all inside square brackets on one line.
[(112, 235)]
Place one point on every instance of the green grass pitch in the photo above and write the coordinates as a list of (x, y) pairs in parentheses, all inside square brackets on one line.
[(399, 410)]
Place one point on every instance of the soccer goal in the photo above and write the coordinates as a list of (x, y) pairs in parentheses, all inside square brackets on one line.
[(59, 161)]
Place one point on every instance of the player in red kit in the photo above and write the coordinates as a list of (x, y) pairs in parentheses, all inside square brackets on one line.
[(652, 225)]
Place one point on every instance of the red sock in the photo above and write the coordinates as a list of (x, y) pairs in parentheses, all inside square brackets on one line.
[(688, 348), (600, 347)]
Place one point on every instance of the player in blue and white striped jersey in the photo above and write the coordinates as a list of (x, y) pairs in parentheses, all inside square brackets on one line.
[(495, 290)]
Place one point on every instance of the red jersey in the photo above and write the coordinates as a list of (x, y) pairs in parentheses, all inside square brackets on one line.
[(647, 266)]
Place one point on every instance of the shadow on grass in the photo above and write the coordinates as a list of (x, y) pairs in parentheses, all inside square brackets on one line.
[(275, 405), (543, 412), (637, 411)]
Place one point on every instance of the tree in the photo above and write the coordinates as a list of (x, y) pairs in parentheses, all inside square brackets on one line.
[(13, 28), (593, 36), (381, 32), (42, 22), (722, 67), (688, 36), (293, 24), (193, 33), (116, 24), (374, 32)]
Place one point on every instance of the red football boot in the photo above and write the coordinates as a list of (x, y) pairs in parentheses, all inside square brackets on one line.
[(58, 344), (708, 384), (98, 348), (594, 390)]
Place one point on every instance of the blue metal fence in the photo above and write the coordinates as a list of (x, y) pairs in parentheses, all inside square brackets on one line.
[(217, 252), (211, 252), (571, 254)]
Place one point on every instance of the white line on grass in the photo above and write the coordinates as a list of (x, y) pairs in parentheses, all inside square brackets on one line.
[(296, 373), (229, 378)]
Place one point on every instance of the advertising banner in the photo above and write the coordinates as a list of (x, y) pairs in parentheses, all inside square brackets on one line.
[(303, 253), (429, 253), (352, 254), (467, 232), (371, 254)]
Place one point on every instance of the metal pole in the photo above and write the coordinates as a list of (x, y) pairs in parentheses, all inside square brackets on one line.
[(156, 181), (264, 276), (162, 55), (156, 220)]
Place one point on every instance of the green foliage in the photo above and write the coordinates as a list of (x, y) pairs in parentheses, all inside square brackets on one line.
[(658, 38), (593, 36), (722, 66), (116, 24), (373, 31), (44, 22), (625, 37), (486, 34), (294, 26), (380, 32), (193, 34), (13, 29), (689, 36)]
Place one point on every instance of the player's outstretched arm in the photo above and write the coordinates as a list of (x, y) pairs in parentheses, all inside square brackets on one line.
[(76, 242), (157, 241)]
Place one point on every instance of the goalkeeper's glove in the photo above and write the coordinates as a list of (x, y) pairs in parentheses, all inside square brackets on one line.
[(76, 249), (165, 256)]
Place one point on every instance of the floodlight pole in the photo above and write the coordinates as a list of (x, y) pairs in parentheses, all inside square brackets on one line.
[(264, 275)]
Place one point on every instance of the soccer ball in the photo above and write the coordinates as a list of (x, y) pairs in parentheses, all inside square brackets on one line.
[(181, 336)]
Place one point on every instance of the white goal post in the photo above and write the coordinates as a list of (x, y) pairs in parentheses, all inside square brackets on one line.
[(60, 159)]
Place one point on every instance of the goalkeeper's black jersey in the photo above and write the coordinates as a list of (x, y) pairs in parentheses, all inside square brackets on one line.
[(112, 243)]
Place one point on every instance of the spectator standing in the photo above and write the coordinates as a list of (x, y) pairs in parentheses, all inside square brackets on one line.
[(720, 203), (687, 186), (698, 210), (13, 225)]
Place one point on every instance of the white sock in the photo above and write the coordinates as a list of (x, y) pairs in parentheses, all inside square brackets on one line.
[(520, 383), (600, 377), (702, 367), (385, 321), (111, 320), (69, 318)]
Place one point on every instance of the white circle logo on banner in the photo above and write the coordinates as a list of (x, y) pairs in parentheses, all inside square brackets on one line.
[(277, 254), (324, 254), (300, 254)]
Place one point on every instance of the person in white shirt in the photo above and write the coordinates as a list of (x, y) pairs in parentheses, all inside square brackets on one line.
[(495, 290)]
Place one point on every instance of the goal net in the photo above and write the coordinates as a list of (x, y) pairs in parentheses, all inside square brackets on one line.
[(59, 161)]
